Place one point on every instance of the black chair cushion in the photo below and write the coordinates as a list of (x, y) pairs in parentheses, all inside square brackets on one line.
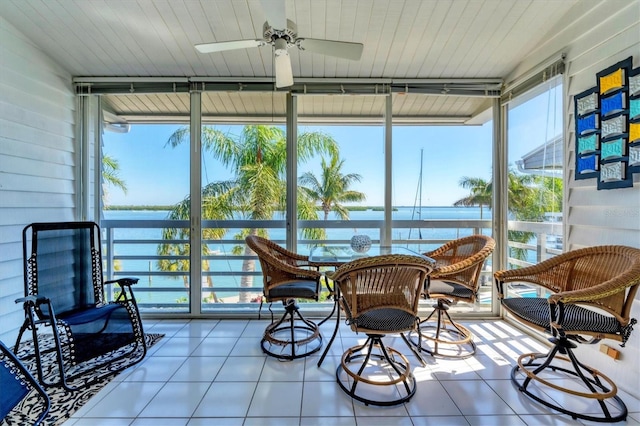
[(576, 318), (294, 290), (385, 320), (449, 289)]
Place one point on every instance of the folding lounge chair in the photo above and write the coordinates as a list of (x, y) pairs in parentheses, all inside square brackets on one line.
[(21, 397), (77, 332)]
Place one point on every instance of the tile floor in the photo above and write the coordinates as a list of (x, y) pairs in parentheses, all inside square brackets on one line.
[(212, 372)]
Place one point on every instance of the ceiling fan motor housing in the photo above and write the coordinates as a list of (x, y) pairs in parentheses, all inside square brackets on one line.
[(289, 34)]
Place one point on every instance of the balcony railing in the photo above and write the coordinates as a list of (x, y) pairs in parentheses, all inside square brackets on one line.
[(131, 249)]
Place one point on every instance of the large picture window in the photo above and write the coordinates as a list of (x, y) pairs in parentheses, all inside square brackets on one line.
[(177, 204)]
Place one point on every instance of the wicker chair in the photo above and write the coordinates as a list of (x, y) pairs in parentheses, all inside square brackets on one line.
[(379, 295), (287, 276), (455, 278), (592, 290)]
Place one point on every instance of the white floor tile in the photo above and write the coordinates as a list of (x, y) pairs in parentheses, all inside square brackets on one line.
[(548, 420), (276, 370), (453, 369), (155, 369), (87, 421), (215, 346), (206, 372), (176, 399), (326, 372), (323, 421), (439, 421), (226, 399), (323, 398), (229, 328), (518, 401), (128, 399), (241, 369), (209, 421), (475, 397), (160, 421), (247, 346), (276, 399), (384, 421), (179, 346), (272, 421), (255, 329), (197, 328), (431, 399), (511, 420), (199, 369)]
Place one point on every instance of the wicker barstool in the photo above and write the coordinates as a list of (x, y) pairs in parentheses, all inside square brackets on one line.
[(592, 290), (379, 296)]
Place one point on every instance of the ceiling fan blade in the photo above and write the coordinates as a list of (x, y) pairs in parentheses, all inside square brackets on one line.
[(283, 70), (340, 49), (275, 12), (228, 45)]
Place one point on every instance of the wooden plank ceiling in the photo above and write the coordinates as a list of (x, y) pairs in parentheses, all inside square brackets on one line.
[(403, 40)]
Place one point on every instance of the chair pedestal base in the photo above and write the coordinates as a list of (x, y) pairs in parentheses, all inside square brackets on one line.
[(447, 338), (588, 383), (296, 336), (358, 363)]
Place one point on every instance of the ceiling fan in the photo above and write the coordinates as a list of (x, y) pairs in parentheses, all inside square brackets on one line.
[(281, 33)]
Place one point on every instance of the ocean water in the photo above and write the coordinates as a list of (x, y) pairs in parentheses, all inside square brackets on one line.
[(225, 272)]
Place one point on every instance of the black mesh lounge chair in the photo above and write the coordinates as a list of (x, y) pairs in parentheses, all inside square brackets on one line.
[(75, 329), (592, 290), (17, 385)]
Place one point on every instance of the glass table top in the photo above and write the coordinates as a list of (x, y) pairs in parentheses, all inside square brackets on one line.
[(338, 254)]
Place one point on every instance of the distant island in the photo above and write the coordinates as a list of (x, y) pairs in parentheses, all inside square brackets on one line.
[(158, 208)]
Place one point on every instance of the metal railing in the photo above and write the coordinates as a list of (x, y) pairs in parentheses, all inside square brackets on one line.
[(131, 249)]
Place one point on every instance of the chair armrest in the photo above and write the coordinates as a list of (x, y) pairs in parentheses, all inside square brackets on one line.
[(527, 274), (126, 281), (552, 274), (520, 274), (591, 294), (32, 300)]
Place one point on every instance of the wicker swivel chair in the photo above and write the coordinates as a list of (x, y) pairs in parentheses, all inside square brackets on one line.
[(285, 279), (379, 296), (455, 278), (592, 290)]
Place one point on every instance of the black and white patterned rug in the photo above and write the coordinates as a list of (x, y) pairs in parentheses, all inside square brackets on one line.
[(64, 403)]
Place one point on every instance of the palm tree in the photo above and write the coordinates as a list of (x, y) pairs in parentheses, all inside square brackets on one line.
[(110, 174), (479, 195), (332, 189), (529, 196), (257, 159)]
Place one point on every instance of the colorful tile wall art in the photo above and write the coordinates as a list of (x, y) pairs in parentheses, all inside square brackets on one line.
[(607, 124)]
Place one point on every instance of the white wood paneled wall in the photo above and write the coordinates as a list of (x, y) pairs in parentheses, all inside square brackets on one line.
[(37, 157), (607, 216)]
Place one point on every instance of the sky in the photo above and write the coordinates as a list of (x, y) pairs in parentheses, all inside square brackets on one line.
[(156, 174)]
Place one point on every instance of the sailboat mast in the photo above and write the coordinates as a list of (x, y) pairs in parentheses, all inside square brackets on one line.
[(417, 200), (420, 187)]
